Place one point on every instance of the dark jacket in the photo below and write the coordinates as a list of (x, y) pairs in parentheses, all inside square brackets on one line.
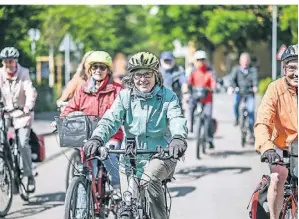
[(245, 80)]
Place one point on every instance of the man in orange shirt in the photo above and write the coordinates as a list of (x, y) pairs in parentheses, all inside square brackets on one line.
[(202, 77), (276, 127)]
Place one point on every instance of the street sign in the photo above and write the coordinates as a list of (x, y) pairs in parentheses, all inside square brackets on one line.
[(67, 45), (34, 34), (282, 48), (179, 50)]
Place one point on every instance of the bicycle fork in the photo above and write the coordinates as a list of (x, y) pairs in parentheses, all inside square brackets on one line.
[(129, 206)]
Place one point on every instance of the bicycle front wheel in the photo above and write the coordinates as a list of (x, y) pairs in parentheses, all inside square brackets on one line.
[(79, 202), (244, 131), (6, 182), (75, 158), (199, 138)]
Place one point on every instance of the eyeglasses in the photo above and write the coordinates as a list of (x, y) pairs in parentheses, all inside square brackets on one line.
[(8, 61), (101, 67), (291, 68), (147, 75)]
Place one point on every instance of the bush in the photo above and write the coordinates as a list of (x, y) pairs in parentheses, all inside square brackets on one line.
[(263, 85)]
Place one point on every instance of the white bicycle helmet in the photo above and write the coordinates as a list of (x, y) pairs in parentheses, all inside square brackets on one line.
[(9, 53)]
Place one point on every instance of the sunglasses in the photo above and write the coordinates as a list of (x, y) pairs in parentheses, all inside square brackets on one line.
[(291, 68), (200, 60), (101, 67), (146, 75)]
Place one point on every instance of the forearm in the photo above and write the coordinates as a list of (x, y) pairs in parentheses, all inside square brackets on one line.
[(263, 134)]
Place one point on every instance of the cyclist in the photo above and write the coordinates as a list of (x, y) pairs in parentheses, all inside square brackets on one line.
[(150, 114), (202, 76), (95, 97), (80, 77), (173, 75), (245, 78), (18, 92), (276, 126)]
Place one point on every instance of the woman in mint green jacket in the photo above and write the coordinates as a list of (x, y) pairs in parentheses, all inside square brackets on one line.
[(150, 113)]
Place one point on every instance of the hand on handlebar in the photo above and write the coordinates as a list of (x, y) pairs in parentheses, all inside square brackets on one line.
[(270, 156), (230, 90), (177, 147), (91, 147)]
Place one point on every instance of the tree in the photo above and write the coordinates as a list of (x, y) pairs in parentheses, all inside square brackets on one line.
[(15, 21)]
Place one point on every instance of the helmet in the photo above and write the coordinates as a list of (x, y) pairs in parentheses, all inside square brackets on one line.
[(99, 56), (167, 55), (9, 52), (143, 60), (291, 53), (200, 54)]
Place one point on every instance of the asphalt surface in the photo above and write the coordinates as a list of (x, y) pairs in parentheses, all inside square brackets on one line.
[(218, 186)]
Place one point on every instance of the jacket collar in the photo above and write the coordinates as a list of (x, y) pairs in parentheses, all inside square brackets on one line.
[(156, 92), (107, 87), (15, 77), (288, 87)]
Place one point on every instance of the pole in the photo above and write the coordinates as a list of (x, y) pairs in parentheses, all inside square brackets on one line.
[(274, 41), (67, 60), (51, 65)]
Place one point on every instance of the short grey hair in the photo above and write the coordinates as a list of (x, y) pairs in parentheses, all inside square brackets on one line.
[(245, 54)]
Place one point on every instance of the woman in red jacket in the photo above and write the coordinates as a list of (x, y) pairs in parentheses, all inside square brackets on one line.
[(95, 97)]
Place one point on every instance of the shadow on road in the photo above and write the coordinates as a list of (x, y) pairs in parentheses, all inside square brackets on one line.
[(38, 204), (224, 154), (201, 171), (180, 191)]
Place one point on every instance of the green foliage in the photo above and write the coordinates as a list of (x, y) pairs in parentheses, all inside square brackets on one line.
[(129, 29), (263, 85), (133, 28), (289, 21)]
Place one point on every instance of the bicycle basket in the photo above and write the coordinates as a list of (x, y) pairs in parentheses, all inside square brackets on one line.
[(75, 130), (200, 93)]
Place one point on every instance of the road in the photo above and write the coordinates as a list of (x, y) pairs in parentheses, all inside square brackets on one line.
[(218, 186)]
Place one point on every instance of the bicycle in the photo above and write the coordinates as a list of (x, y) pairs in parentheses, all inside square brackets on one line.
[(75, 157), (6, 179), (85, 181), (197, 95), (244, 127), (134, 204), (11, 158), (244, 123), (290, 202)]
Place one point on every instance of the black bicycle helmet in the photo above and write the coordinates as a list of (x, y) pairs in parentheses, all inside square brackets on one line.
[(291, 53), (9, 53)]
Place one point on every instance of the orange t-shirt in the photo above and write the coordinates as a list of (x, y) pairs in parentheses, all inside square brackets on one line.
[(277, 117)]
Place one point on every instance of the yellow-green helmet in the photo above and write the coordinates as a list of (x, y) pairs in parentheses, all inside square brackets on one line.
[(99, 56), (143, 60)]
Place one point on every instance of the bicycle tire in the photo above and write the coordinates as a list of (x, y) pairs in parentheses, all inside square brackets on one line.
[(199, 140), (70, 168), (243, 131), (19, 184), (72, 192), (4, 212)]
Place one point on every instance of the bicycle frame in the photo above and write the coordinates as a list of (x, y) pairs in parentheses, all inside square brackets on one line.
[(133, 204), (96, 182), (291, 197)]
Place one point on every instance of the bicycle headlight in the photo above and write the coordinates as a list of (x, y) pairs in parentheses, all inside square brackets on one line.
[(127, 197), (79, 168)]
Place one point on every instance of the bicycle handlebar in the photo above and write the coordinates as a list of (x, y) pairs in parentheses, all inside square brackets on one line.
[(159, 151)]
